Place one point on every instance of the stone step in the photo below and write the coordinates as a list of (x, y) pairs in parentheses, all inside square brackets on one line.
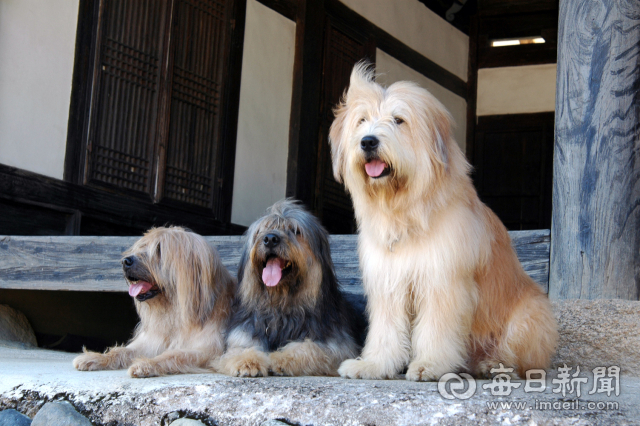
[(595, 336)]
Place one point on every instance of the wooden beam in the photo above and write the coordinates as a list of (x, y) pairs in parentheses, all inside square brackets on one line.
[(544, 24), (505, 7), (130, 214), (286, 8), (80, 91), (399, 50), (304, 124), (93, 263), (472, 90), (225, 161), (595, 251)]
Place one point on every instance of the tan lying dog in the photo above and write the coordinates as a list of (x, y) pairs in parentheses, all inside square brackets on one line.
[(183, 295)]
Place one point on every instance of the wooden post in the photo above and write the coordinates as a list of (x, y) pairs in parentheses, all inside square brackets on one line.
[(595, 234), (305, 101)]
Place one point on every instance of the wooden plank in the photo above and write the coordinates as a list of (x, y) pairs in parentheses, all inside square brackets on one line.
[(596, 189), (93, 263)]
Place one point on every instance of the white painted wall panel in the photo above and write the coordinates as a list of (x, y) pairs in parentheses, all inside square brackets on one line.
[(516, 90), (415, 25), (37, 48), (392, 70), (265, 107)]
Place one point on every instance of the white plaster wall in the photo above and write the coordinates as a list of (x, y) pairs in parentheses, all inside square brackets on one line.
[(37, 45), (419, 28), (516, 90), (262, 144), (391, 70)]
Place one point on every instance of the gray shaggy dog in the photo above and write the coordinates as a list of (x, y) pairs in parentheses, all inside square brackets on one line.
[(290, 317)]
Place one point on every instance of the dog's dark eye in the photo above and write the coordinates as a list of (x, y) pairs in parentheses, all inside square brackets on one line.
[(158, 251), (398, 120), (361, 121)]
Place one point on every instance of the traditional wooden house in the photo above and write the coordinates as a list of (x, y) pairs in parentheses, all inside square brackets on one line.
[(118, 115)]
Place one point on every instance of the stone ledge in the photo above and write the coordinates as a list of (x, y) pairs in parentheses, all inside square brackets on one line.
[(29, 378), (596, 333), (592, 334)]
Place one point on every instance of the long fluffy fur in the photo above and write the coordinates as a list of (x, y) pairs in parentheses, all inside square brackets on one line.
[(182, 328), (301, 326), (445, 289)]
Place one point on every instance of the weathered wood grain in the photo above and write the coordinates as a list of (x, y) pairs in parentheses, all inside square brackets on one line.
[(93, 263), (595, 249)]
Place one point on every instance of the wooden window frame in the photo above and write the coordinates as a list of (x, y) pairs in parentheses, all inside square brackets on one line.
[(76, 162)]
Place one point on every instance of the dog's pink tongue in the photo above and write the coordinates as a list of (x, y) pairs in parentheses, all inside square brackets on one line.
[(139, 287), (272, 273), (375, 168)]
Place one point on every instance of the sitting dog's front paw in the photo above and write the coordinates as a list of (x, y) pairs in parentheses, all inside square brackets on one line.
[(142, 367), (420, 371), (364, 369), (91, 361)]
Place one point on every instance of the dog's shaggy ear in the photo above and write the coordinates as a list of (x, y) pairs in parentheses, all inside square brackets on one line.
[(438, 124), (441, 129), (361, 80), (199, 276), (336, 132)]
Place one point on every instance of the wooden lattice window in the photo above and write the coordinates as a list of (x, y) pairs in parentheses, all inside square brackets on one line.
[(157, 91)]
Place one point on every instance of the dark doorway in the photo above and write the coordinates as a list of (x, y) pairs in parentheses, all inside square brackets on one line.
[(513, 157)]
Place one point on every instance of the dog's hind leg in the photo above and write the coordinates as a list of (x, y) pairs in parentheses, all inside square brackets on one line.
[(530, 336), (113, 359), (170, 362)]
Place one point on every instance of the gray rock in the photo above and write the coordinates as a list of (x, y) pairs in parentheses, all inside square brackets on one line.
[(59, 414), (187, 422), (14, 327), (599, 333), (12, 417)]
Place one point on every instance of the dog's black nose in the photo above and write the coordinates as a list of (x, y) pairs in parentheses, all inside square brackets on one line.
[(127, 262), (271, 240), (369, 143)]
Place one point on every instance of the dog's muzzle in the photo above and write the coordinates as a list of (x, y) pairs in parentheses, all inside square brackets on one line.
[(271, 241), (369, 144), (374, 166), (139, 288)]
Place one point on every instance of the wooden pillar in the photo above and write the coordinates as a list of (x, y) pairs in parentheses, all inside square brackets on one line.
[(305, 101), (595, 235)]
